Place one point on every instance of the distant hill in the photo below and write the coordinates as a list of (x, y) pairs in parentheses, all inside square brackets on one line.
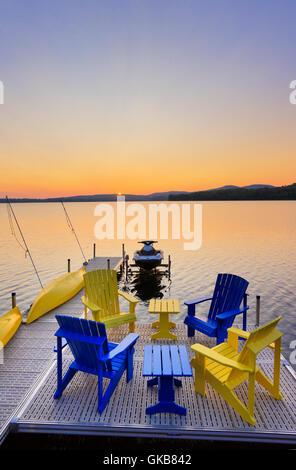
[(229, 186), (161, 196), (258, 186), (252, 186), (224, 193), (165, 195), (249, 193)]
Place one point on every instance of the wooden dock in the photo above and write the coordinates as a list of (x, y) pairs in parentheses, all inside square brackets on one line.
[(104, 263), (28, 382), (207, 417), (31, 349)]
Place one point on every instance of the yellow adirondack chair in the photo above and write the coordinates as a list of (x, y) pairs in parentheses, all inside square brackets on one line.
[(101, 297), (225, 368)]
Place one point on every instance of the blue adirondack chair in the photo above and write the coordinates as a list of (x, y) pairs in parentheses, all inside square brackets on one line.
[(93, 354), (229, 292)]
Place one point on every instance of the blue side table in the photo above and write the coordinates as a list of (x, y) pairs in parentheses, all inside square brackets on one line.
[(163, 364)]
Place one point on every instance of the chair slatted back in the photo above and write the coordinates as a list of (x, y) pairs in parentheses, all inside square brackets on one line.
[(102, 289), (228, 295), (258, 340), (85, 355)]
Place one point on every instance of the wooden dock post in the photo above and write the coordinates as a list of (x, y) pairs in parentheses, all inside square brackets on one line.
[(108, 263), (69, 265), (123, 256), (257, 310), (169, 266), (94, 250), (126, 267), (13, 299)]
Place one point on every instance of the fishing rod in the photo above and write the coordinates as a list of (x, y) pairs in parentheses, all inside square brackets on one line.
[(26, 249), (73, 230)]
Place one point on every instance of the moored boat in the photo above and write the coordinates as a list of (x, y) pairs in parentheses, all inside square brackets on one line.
[(56, 293), (148, 257), (9, 323)]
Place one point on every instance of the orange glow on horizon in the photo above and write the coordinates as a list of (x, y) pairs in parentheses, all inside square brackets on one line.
[(162, 166), (43, 194)]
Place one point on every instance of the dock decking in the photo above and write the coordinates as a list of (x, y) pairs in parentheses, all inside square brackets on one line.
[(28, 382), (103, 263), (30, 350), (207, 417)]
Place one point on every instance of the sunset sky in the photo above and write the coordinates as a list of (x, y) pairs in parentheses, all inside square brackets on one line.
[(145, 95)]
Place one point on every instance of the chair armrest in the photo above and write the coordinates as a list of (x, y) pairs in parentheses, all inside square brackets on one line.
[(238, 332), (93, 307), (125, 344), (217, 357), (197, 301), (128, 297), (231, 313)]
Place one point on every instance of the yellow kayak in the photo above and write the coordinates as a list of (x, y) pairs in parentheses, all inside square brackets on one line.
[(9, 323), (56, 293)]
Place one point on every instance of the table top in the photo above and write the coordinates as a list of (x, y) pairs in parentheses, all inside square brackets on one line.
[(164, 306), (165, 360)]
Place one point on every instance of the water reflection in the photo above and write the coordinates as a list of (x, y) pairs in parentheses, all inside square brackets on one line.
[(148, 284)]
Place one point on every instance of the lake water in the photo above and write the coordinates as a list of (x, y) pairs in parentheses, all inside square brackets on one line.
[(253, 239)]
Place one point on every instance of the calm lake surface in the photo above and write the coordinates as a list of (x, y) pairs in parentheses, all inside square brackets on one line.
[(253, 239)]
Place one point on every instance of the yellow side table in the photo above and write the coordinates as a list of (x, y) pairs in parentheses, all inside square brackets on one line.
[(164, 307)]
